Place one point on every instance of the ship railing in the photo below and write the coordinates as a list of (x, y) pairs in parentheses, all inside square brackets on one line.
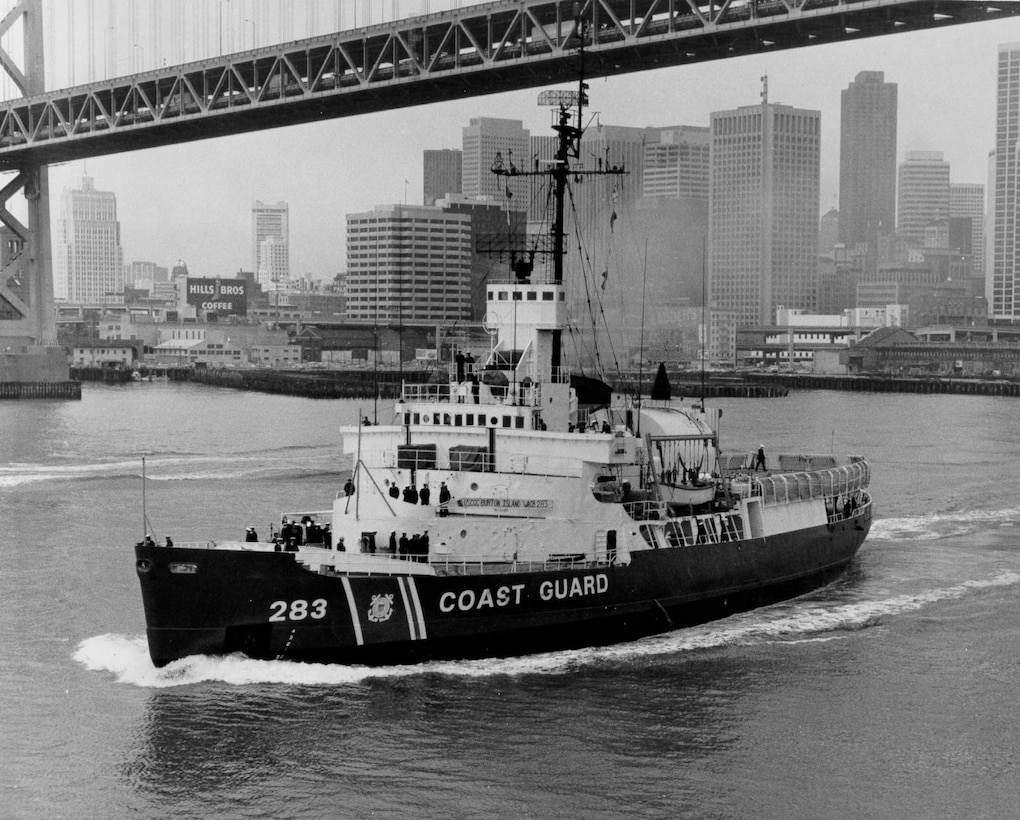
[(387, 563), (650, 510), (193, 545), (842, 508), (695, 530), (514, 395), (784, 488), (462, 565), (425, 392), (257, 546), (427, 457)]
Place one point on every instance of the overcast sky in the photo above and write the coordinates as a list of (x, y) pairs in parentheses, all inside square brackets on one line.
[(193, 201)]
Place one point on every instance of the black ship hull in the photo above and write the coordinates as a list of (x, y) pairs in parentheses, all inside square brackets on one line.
[(267, 606)]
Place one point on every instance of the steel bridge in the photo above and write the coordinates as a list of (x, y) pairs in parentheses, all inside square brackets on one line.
[(482, 49), (497, 46)]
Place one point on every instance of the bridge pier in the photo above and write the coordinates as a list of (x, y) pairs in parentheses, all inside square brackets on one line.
[(29, 354)]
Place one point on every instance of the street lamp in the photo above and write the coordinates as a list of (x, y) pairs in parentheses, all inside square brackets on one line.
[(141, 61), (252, 31), (219, 26), (107, 59)]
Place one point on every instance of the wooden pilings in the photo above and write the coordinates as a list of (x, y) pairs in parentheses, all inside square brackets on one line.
[(893, 384), (323, 385), (40, 390)]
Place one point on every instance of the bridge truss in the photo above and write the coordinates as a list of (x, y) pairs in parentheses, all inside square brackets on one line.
[(488, 48)]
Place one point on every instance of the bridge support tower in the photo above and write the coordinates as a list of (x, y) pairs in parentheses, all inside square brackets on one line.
[(29, 354)]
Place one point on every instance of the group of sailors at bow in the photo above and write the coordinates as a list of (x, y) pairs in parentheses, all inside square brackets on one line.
[(293, 534)]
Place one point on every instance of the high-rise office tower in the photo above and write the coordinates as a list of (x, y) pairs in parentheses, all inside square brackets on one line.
[(763, 210), (676, 163), (923, 195), (967, 201), (89, 265), (441, 173), (867, 160), (1001, 286), (408, 263), (270, 261), (483, 139)]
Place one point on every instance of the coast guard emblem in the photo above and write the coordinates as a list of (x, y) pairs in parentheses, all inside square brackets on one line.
[(381, 608)]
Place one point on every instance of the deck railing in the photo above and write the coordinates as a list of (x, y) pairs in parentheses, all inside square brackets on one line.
[(801, 486)]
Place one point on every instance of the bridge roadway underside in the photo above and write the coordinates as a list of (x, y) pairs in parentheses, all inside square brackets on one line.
[(436, 58)]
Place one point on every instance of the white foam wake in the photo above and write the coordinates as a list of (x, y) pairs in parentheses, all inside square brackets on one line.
[(791, 623), (168, 468), (941, 525)]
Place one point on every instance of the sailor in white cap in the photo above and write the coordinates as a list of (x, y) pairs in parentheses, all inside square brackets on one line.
[(760, 460)]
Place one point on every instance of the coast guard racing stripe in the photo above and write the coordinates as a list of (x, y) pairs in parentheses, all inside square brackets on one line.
[(384, 609)]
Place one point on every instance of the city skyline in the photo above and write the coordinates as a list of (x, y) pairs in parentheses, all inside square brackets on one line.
[(179, 202)]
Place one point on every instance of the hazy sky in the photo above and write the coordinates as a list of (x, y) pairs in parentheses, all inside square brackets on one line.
[(193, 201)]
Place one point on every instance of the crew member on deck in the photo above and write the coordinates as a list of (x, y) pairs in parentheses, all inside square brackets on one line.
[(250, 535), (348, 487), (760, 460), (425, 494)]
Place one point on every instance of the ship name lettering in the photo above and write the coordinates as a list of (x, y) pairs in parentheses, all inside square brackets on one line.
[(508, 503), (573, 587), (487, 598)]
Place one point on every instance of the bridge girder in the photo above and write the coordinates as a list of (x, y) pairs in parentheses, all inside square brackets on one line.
[(495, 47)]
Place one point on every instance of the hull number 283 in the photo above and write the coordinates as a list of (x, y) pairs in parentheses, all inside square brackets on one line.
[(297, 610)]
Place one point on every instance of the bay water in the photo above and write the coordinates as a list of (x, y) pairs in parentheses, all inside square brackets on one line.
[(890, 693)]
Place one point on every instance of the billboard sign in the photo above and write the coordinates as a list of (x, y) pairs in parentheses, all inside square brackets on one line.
[(222, 296)]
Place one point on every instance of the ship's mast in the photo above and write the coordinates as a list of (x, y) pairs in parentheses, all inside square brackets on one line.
[(569, 147), (569, 128)]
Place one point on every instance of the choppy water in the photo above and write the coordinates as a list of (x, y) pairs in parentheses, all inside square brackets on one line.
[(887, 694)]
